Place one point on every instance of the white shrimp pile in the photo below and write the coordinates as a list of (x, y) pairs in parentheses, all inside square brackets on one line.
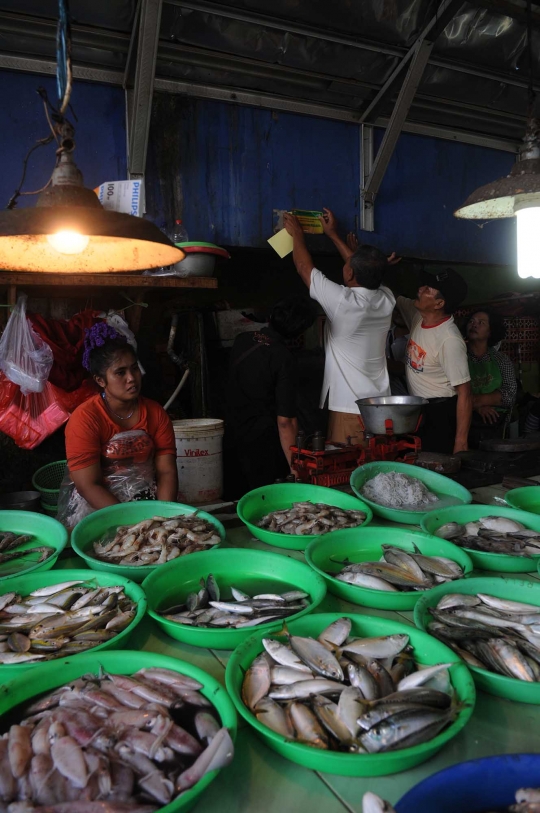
[(111, 744), (396, 490), (157, 540)]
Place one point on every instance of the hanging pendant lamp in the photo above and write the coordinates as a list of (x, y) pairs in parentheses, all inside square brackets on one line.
[(69, 231), (517, 194)]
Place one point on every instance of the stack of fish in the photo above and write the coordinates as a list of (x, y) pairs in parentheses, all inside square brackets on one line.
[(491, 633), (401, 570), (61, 619), (205, 609), (112, 744), (493, 535), (9, 542), (157, 540), (527, 801), (356, 695), (307, 518)]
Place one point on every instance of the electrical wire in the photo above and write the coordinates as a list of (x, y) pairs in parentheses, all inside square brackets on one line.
[(531, 93), (64, 78)]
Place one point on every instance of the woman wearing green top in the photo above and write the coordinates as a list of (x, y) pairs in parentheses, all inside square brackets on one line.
[(493, 379)]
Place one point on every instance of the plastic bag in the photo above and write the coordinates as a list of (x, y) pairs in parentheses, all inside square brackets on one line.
[(114, 320), (128, 473), (24, 357), (29, 419)]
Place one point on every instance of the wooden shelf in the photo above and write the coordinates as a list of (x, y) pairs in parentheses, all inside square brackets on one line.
[(126, 280)]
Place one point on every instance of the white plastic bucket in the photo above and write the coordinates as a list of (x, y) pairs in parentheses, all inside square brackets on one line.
[(199, 449)]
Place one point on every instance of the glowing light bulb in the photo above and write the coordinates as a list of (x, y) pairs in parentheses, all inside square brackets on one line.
[(528, 229), (68, 242)]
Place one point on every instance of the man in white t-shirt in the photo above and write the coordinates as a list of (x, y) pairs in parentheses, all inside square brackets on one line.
[(358, 313), (436, 364)]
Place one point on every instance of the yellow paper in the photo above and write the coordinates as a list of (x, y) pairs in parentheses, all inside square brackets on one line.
[(282, 243)]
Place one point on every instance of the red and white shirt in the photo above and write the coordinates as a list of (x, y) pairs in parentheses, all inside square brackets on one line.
[(436, 356)]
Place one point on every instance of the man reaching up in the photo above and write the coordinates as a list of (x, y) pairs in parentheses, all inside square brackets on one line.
[(358, 313)]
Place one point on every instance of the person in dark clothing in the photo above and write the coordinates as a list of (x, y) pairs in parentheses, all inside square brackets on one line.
[(261, 415)]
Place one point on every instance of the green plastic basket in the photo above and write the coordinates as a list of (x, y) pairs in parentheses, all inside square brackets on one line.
[(448, 491), (427, 651), (47, 481), (519, 691)]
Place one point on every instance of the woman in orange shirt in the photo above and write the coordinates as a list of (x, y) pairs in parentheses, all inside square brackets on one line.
[(119, 445)]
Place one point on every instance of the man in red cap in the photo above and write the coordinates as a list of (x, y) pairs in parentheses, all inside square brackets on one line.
[(437, 367)]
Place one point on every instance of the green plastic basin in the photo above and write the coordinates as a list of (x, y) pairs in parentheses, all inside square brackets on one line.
[(428, 651), (95, 525), (525, 499), (45, 530), (325, 554), (449, 492), (500, 562), (261, 501), (252, 571), (56, 673), (25, 584), (513, 589)]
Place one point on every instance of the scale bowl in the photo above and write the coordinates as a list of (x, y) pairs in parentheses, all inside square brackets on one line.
[(403, 410)]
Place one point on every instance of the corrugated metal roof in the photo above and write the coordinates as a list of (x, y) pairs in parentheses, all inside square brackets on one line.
[(336, 55)]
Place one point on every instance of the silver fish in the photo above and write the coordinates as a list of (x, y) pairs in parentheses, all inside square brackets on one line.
[(316, 656)]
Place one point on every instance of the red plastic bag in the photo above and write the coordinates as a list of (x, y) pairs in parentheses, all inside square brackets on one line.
[(29, 419)]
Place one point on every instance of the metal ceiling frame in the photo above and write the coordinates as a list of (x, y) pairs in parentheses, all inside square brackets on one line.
[(417, 59), (139, 100), (256, 99)]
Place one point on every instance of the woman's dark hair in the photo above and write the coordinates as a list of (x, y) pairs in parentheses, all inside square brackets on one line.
[(497, 328), (101, 358), (293, 315), (369, 265), (102, 344)]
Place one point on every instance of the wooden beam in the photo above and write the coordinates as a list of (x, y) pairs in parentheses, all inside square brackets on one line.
[(104, 280)]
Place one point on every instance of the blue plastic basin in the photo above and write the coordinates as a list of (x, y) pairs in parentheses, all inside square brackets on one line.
[(477, 786)]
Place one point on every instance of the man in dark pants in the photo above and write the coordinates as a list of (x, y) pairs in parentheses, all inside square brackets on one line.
[(261, 418), (437, 366)]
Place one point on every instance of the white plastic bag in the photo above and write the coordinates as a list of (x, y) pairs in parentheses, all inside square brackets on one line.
[(24, 357)]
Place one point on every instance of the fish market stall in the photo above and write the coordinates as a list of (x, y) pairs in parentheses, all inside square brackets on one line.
[(260, 778)]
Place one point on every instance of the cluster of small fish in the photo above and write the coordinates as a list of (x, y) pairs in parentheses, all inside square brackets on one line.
[(111, 744), (61, 619), (401, 570), (311, 518), (380, 702), (9, 542), (397, 490), (205, 609), (527, 801), (493, 535), (491, 633), (371, 803), (157, 540)]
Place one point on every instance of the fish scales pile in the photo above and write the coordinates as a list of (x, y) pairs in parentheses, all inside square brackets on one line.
[(490, 633), (493, 535), (111, 744), (356, 695), (307, 518), (397, 490), (400, 570), (61, 619), (205, 609), (157, 540), (9, 542)]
